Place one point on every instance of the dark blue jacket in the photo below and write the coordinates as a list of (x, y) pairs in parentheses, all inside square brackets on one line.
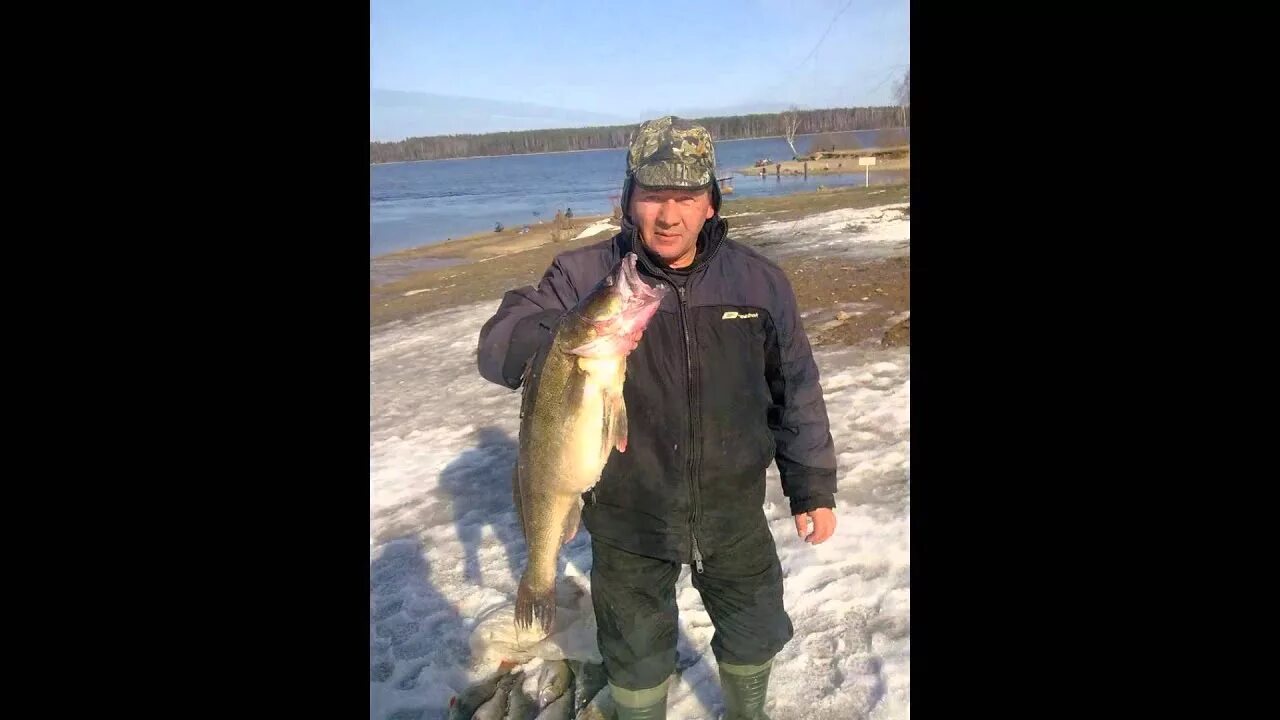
[(722, 385)]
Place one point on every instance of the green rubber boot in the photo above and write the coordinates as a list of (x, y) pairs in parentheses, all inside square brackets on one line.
[(745, 688), (649, 704)]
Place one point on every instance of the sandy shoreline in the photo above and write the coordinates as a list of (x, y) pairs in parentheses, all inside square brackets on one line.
[(485, 265), (488, 244)]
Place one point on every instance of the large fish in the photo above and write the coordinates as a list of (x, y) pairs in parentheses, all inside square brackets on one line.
[(572, 417)]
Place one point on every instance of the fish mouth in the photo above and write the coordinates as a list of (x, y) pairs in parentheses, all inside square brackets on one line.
[(628, 277), (639, 303), (633, 288), (639, 299)]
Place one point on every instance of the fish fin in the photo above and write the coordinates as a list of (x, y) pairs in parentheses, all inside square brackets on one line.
[(516, 500), (606, 429), (615, 426), (531, 604), (619, 435), (572, 397), (571, 522), (526, 380), (599, 347)]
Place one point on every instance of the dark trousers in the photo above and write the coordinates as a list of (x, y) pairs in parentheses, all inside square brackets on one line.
[(635, 605)]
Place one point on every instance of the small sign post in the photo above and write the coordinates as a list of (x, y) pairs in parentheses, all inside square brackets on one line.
[(867, 161)]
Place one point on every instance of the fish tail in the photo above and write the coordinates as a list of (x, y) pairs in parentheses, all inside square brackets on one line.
[(531, 603)]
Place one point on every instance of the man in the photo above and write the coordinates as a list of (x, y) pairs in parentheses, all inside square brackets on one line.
[(721, 384)]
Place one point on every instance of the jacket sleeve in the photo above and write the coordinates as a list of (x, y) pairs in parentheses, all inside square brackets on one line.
[(805, 453), (521, 325)]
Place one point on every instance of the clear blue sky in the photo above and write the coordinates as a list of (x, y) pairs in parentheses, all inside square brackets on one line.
[(626, 58)]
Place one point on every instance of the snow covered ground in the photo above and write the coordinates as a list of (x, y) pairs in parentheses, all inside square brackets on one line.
[(854, 233), (446, 552)]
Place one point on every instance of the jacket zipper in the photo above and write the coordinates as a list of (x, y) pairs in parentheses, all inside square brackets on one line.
[(693, 435)]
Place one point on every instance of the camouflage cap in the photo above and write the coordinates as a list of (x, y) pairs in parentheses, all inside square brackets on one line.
[(672, 153)]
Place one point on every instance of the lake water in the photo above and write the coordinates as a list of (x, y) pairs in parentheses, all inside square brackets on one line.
[(421, 203)]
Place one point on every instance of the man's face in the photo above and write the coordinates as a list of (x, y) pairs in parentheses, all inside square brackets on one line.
[(670, 220)]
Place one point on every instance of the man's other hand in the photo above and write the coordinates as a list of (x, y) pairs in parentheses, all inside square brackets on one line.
[(824, 525)]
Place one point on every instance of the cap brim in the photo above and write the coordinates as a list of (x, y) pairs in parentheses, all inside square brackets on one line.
[(673, 175)]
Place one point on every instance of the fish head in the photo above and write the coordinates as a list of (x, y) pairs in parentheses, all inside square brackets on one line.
[(616, 311)]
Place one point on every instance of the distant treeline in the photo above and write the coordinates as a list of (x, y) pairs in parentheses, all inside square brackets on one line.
[(733, 127)]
